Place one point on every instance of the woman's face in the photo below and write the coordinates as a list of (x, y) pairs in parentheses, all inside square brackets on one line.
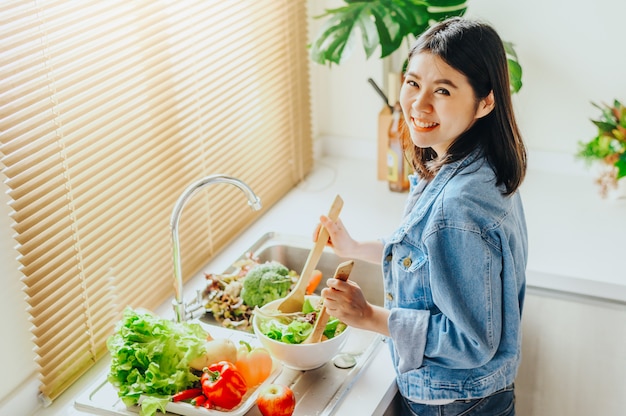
[(438, 103)]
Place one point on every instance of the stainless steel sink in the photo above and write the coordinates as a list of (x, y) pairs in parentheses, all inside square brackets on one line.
[(292, 251), (318, 391)]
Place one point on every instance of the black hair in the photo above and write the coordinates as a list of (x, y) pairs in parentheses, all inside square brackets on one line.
[(475, 49)]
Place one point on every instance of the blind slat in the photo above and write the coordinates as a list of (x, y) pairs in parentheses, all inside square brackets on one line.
[(109, 111)]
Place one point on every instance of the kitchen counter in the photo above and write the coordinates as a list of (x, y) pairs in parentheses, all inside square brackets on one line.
[(570, 230), (297, 214)]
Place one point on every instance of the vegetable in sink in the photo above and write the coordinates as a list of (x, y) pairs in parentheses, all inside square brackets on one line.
[(264, 283), (231, 297)]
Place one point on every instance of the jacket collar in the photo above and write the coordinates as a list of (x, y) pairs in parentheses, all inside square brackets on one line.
[(432, 191)]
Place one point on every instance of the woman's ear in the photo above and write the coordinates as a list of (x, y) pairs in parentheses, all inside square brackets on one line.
[(486, 105)]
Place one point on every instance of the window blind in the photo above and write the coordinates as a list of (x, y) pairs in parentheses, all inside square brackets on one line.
[(109, 110)]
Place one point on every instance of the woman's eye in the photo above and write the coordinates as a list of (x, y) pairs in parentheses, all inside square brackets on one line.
[(411, 83), (442, 91)]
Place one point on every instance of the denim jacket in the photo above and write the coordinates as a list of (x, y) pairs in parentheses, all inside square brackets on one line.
[(454, 277)]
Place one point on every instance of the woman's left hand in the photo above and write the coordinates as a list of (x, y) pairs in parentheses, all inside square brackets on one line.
[(345, 301)]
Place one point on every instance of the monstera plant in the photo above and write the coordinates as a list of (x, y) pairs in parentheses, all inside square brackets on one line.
[(386, 24)]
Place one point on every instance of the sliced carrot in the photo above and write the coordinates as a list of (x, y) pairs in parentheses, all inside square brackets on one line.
[(316, 278)]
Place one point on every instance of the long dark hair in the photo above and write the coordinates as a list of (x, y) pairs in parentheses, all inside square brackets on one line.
[(475, 50)]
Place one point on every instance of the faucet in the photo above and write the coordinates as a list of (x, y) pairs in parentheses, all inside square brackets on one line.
[(253, 200)]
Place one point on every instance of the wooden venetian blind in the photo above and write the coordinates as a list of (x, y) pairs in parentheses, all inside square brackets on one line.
[(109, 110)]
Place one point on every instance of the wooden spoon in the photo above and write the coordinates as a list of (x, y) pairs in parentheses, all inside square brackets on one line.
[(342, 273), (294, 300)]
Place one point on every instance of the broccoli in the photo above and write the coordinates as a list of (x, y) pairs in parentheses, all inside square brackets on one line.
[(264, 283)]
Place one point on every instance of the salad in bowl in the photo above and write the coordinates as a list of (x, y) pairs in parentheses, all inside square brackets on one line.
[(284, 335)]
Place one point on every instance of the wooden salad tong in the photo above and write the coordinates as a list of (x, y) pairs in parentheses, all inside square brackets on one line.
[(342, 273), (294, 300)]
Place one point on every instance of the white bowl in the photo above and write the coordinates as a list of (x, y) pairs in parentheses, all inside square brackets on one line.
[(299, 356)]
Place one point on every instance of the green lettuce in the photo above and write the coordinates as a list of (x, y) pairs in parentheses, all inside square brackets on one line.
[(295, 331), (151, 356), (333, 328)]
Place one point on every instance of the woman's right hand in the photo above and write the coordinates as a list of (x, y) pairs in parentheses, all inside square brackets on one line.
[(338, 237), (345, 246)]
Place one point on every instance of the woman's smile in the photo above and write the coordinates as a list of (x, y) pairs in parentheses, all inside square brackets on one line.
[(422, 125)]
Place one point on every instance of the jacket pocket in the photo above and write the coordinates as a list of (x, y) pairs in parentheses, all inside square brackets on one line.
[(410, 276)]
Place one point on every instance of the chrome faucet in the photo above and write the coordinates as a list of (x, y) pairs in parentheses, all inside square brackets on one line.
[(253, 201)]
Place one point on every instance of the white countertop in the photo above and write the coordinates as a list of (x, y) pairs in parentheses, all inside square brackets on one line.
[(573, 247), (297, 214)]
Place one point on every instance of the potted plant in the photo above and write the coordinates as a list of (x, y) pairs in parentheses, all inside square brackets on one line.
[(386, 24), (608, 147)]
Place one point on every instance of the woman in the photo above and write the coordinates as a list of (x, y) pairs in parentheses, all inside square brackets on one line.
[(454, 270)]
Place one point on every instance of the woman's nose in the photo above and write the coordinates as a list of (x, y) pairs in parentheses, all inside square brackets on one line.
[(421, 103)]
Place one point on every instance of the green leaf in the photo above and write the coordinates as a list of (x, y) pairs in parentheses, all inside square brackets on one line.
[(370, 29), (509, 49), (412, 16), (604, 126), (384, 23), (451, 4), (515, 69), (617, 104), (334, 42), (442, 9), (597, 148), (621, 166), (151, 355), (515, 75), (307, 307), (388, 30), (388, 23), (331, 328), (150, 405)]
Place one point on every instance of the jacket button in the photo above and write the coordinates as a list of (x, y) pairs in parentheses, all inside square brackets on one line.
[(389, 296), (407, 262)]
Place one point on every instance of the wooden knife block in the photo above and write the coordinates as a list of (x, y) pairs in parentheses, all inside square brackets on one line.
[(384, 121)]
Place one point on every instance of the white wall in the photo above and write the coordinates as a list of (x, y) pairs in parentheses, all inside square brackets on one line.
[(572, 53)]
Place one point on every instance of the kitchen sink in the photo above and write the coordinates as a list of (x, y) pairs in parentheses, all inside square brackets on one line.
[(292, 251), (318, 391)]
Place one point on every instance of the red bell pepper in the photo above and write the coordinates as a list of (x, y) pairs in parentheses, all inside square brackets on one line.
[(223, 385)]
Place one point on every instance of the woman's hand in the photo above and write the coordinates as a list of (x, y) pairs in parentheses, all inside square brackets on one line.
[(345, 246), (346, 302), (338, 237)]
